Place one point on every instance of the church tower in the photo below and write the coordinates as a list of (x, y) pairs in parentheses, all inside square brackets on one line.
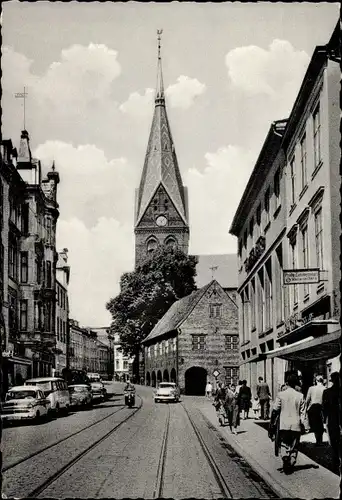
[(161, 201)]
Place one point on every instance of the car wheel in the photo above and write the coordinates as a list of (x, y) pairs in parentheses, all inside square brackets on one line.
[(57, 411), (37, 418)]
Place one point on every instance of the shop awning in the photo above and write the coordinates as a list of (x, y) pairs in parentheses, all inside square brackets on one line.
[(310, 349)]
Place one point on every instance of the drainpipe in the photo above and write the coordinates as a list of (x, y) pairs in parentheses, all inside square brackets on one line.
[(177, 359)]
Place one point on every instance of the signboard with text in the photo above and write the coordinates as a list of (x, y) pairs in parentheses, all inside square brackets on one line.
[(300, 276)]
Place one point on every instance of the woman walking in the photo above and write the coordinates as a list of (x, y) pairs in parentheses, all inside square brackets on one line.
[(245, 396), (235, 408)]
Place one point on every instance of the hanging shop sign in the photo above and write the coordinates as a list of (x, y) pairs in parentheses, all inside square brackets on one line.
[(216, 373), (300, 276)]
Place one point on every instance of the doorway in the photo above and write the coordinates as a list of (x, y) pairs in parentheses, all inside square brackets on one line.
[(195, 381)]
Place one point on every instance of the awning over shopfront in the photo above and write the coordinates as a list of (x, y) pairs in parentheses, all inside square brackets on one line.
[(310, 349)]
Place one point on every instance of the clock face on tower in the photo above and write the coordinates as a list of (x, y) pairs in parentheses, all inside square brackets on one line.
[(161, 220)]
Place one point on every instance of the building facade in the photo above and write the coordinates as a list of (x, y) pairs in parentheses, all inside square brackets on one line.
[(196, 338), (29, 217), (288, 220), (260, 226), (86, 351), (311, 145), (105, 337), (62, 312), (161, 203), (122, 363)]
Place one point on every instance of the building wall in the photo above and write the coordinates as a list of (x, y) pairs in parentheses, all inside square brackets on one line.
[(261, 324), (200, 341), (121, 362), (317, 201), (29, 219), (62, 318)]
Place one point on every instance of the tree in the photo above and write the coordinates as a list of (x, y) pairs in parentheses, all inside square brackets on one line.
[(148, 292)]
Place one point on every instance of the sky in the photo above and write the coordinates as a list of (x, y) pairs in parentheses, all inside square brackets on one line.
[(89, 69)]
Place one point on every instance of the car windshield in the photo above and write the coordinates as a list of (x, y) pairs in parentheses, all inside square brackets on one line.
[(29, 394), (77, 389), (166, 386), (44, 386)]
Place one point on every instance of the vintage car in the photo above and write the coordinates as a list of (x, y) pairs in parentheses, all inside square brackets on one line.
[(167, 391), (80, 395), (25, 402), (98, 391)]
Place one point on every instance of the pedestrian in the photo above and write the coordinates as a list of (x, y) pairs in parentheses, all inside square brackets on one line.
[(245, 396), (229, 407), (290, 406), (256, 407), (314, 399), (264, 395), (208, 390), (331, 412), (235, 404)]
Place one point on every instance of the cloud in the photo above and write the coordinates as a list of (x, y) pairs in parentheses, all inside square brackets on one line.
[(179, 95), (79, 82), (91, 186), (276, 72), (138, 105), (215, 195), (97, 258), (183, 93)]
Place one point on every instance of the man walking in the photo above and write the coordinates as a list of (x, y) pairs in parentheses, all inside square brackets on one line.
[(264, 394), (291, 407), (231, 408), (332, 412), (314, 400)]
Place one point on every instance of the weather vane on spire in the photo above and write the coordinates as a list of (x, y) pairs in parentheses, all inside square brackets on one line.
[(160, 84), (213, 270), (159, 33), (22, 95)]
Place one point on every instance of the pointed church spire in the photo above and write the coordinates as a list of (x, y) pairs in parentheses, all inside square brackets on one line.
[(159, 99), (161, 165)]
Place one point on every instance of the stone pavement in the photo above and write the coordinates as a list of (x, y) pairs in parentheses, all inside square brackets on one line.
[(309, 480)]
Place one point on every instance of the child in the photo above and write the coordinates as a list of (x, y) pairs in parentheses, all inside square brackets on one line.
[(256, 407)]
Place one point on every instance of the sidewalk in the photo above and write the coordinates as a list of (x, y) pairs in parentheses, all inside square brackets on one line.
[(309, 480)]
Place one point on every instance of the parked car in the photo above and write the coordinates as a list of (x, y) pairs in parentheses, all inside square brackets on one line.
[(25, 402), (98, 391), (167, 391), (55, 389), (94, 377), (80, 395)]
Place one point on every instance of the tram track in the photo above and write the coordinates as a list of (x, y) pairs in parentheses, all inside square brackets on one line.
[(55, 443), (222, 483), (158, 490), (70, 463)]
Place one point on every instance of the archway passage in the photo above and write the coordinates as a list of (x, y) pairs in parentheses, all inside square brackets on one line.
[(173, 375), (148, 378), (195, 381), (166, 376), (154, 379), (159, 376)]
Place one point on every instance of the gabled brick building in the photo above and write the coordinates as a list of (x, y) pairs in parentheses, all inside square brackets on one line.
[(196, 336)]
